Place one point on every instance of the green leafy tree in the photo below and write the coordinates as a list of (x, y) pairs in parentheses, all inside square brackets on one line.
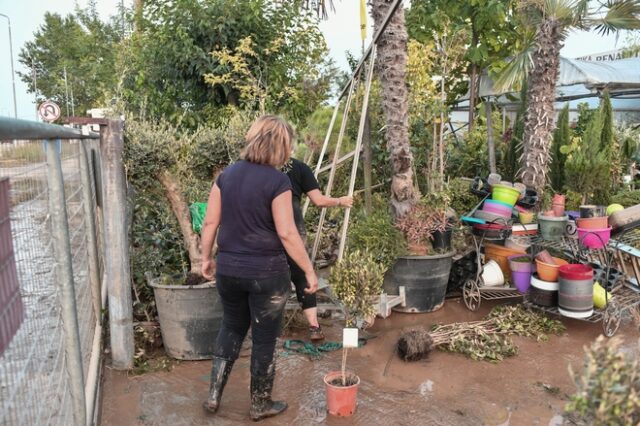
[(561, 138), (487, 25), (79, 46), (178, 42), (587, 167)]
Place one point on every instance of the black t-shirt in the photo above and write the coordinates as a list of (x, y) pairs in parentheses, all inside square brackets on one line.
[(249, 246), (302, 181)]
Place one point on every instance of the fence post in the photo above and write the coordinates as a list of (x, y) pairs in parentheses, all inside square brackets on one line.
[(62, 252), (89, 213), (117, 273)]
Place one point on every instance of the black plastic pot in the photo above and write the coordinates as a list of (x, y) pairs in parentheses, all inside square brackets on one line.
[(442, 240), (424, 279)]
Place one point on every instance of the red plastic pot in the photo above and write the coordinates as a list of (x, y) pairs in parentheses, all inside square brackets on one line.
[(341, 400), (576, 272)]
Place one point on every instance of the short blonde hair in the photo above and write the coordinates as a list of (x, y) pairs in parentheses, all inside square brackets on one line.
[(269, 141)]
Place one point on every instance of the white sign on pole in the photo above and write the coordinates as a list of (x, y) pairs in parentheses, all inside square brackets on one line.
[(49, 111), (350, 338)]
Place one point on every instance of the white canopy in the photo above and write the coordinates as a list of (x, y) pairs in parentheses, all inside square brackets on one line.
[(580, 79)]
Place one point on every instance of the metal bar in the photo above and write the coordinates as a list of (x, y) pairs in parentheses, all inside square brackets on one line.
[(90, 228), (356, 158), (14, 128), (340, 161), (116, 257), (323, 212), (62, 250)]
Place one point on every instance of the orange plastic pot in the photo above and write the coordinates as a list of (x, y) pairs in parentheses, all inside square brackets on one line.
[(341, 400), (501, 255), (548, 272), (593, 222)]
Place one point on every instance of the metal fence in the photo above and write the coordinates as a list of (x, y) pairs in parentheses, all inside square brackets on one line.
[(49, 372)]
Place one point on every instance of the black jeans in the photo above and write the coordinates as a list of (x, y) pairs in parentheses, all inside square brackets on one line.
[(258, 304), (299, 280)]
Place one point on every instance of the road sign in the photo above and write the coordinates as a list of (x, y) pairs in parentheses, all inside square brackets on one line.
[(49, 111)]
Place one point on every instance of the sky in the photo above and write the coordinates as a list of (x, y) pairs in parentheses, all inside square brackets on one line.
[(341, 32)]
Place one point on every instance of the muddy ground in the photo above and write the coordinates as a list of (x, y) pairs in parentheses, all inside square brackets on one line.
[(531, 388)]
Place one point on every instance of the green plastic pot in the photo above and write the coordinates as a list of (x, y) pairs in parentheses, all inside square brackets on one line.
[(506, 194), (552, 228)]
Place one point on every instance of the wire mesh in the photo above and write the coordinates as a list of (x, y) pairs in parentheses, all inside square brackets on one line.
[(34, 383)]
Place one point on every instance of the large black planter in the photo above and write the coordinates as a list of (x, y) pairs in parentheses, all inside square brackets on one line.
[(190, 317), (442, 240), (424, 279)]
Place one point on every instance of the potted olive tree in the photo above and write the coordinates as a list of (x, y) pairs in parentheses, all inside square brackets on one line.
[(356, 281), (172, 166)]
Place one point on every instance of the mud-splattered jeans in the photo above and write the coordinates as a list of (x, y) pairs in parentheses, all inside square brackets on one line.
[(258, 304)]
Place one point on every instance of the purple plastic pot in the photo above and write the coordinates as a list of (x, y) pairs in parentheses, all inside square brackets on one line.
[(526, 265), (522, 280)]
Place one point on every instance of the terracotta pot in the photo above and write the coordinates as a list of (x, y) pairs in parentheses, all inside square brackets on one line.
[(592, 222)]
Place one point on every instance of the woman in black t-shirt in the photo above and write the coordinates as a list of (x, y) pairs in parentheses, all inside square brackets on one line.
[(250, 203), (303, 181)]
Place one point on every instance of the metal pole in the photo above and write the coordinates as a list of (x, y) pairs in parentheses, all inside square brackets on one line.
[(118, 277), (354, 167), (13, 74), (62, 251), (66, 90), (90, 229)]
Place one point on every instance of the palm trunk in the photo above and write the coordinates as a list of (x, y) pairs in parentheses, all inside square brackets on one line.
[(538, 125), (391, 65), (181, 211), (473, 79)]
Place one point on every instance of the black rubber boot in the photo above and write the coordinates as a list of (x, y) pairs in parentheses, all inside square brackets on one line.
[(220, 370), (262, 406)]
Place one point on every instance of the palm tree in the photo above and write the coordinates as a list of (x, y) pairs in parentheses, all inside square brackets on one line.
[(391, 68), (553, 19)]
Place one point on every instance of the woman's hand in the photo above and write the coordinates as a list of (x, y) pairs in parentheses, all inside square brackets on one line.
[(312, 282), (208, 269), (345, 201)]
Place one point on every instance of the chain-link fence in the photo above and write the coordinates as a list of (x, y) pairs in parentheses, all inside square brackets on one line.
[(41, 382)]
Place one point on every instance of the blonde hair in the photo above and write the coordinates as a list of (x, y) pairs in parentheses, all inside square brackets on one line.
[(269, 141)]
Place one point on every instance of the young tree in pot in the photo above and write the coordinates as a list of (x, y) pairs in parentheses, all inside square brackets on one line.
[(356, 281)]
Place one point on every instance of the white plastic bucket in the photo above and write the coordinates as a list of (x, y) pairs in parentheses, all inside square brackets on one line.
[(492, 275)]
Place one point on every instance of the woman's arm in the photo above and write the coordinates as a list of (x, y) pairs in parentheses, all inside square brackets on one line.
[(210, 230), (288, 233), (320, 200)]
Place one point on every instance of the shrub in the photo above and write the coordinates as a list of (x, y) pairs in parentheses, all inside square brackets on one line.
[(627, 198), (355, 281), (376, 234), (462, 200), (608, 388)]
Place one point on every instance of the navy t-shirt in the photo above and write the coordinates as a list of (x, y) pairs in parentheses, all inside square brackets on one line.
[(248, 243), (302, 181)]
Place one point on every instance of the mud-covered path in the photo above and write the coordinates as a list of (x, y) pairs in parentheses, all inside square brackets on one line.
[(448, 389)]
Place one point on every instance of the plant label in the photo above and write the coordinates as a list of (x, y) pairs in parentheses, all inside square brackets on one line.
[(350, 338)]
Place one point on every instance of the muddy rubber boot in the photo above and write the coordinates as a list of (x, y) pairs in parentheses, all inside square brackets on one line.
[(220, 370), (262, 406)]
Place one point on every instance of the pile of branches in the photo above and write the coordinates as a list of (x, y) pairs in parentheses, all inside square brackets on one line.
[(487, 340)]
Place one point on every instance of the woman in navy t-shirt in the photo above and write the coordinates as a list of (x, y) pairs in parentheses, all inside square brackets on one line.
[(249, 210)]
